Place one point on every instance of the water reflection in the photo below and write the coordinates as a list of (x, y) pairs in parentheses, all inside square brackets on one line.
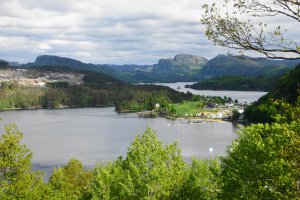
[(100, 134)]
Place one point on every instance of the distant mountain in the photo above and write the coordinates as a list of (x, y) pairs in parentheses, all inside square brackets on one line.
[(182, 63), (49, 60), (3, 64), (223, 65), (182, 67)]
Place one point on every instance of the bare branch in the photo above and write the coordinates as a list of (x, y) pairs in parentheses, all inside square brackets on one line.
[(227, 29)]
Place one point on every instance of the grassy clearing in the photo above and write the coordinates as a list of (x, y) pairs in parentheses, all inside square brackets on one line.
[(191, 107)]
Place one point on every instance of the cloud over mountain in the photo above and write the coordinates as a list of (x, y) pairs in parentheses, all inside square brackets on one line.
[(106, 31)]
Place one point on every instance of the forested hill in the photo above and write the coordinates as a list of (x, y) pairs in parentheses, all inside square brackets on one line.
[(227, 65), (54, 87), (283, 100), (242, 73), (50, 60)]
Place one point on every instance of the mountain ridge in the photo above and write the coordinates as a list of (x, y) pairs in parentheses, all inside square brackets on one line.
[(182, 67)]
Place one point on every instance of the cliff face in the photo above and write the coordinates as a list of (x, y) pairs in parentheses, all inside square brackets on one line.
[(182, 67), (190, 59)]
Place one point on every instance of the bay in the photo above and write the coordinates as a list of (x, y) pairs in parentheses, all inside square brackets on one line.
[(100, 134)]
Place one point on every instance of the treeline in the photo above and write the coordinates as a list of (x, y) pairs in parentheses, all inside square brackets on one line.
[(13, 95), (97, 89), (145, 97), (279, 102), (262, 163), (238, 83)]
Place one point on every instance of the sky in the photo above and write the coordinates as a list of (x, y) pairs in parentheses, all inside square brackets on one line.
[(104, 31)]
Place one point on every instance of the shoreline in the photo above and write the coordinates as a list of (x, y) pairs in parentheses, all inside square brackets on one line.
[(57, 108), (139, 113)]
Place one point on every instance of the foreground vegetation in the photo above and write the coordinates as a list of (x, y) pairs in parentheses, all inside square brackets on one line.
[(283, 100), (262, 163)]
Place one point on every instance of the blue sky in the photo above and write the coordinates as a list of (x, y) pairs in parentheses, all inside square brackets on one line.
[(104, 31)]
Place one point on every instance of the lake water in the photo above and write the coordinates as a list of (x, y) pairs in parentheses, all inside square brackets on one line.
[(241, 96), (101, 134)]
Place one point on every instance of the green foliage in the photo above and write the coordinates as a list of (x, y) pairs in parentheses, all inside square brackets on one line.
[(263, 163), (190, 107), (150, 171), (285, 94), (288, 86), (70, 181), (265, 113), (202, 180), (17, 181), (145, 97), (13, 95), (97, 90), (193, 107), (235, 115), (59, 84)]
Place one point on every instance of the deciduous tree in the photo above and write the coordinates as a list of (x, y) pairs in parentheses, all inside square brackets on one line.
[(151, 170), (17, 180), (263, 163)]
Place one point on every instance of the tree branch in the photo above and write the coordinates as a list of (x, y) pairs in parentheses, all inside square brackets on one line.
[(227, 30)]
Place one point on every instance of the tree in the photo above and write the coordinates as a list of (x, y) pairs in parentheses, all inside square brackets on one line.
[(263, 163), (226, 27), (17, 180), (151, 170), (70, 181), (201, 180)]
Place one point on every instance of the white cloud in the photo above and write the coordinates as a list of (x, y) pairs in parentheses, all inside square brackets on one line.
[(104, 31)]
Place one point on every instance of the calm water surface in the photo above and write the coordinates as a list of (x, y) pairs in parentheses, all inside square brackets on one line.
[(241, 96), (100, 134)]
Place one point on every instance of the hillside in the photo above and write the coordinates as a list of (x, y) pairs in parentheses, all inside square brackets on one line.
[(182, 67), (49, 60), (229, 65), (283, 99), (55, 87)]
